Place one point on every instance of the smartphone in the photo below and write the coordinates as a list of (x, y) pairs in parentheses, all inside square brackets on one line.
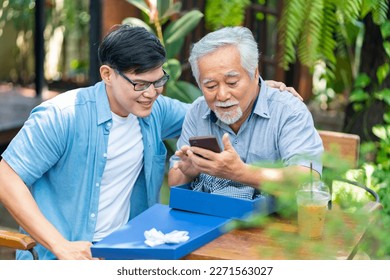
[(206, 142)]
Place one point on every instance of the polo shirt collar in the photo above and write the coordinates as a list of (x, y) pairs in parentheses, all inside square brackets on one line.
[(261, 108)]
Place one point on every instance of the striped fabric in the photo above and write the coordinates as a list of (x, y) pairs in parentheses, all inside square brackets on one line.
[(214, 185)]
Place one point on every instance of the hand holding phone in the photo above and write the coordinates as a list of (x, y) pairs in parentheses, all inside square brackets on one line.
[(206, 142)]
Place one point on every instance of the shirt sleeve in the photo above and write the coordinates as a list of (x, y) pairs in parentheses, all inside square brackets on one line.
[(38, 145), (190, 124), (299, 141), (173, 112), (188, 130)]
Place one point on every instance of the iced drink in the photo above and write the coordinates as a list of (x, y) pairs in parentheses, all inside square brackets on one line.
[(312, 208)]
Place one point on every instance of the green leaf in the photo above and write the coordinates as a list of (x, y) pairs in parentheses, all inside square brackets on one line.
[(182, 26), (381, 131), (163, 6), (379, 12), (383, 95), (385, 30), (173, 68), (167, 8), (359, 95), (367, 147), (290, 29), (183, 91), (382, 72), (191, 91), (386, 117), (174, 49), (362, 81), (140, 4), (220, 13), (172, 10), (386, 46), (357, 107), (137, 22)]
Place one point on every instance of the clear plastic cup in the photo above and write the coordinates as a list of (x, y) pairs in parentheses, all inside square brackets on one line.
[(312, 208)]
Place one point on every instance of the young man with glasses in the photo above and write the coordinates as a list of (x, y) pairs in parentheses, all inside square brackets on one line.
[(94, 157), (90, 159)]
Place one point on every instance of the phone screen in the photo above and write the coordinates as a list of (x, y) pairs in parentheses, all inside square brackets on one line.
[(205, 142)]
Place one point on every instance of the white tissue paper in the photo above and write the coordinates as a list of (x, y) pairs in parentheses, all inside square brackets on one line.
[(155, 237)]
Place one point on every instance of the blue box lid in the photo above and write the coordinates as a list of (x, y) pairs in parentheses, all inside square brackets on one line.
[(182, 197), (128, 241)]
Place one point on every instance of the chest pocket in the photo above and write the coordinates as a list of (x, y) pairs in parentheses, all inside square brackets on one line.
[(157, 174)]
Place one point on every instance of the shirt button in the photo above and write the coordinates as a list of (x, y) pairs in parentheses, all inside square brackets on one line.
[(97, 184), (236, 141), (93, 215), (105, 155)]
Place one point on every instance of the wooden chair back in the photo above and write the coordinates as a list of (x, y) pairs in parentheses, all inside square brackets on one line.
[(347, 145)]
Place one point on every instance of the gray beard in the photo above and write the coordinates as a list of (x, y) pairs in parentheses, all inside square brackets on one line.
[(229, 117)]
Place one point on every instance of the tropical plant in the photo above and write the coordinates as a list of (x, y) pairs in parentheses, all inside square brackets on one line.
[(220, 13), (164, 19), (66, 26), (377, 150), (19, 13), (329, 31)]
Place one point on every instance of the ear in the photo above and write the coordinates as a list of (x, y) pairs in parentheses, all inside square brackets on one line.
[(257, 74), (106, 73)]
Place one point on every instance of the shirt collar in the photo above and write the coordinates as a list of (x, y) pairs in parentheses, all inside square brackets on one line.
[(102, 104), (260, 107)]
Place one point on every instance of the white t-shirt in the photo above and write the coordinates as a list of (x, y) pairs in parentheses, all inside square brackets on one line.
[(124, 163)]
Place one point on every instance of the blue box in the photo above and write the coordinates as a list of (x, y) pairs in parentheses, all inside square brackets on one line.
[(128, 241), (182, 197)]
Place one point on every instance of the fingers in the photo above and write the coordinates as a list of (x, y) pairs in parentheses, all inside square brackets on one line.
[(184, 157), (282, 87), (294, 92), (226, 142), (275, 84), (182, 152)]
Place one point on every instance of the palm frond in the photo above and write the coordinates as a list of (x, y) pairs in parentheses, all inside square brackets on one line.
[(310, 39), (327, 45), (290, 27), (379, 11), (351, 10), (220, 13)]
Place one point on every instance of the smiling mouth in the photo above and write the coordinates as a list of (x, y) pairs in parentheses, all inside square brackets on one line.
[(145, 103)]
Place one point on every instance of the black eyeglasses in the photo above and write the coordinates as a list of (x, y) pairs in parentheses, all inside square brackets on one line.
[(144, 84)]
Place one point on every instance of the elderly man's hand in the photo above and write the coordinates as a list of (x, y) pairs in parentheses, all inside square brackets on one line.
[(281, 86), (226, 164)]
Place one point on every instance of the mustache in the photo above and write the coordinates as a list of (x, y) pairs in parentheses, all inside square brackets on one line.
[(225, 104)]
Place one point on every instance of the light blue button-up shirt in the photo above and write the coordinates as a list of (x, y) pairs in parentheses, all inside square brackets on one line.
[(60, 153), (280, 128)]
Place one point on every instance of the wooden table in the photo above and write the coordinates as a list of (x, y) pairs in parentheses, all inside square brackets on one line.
[(278, 240)]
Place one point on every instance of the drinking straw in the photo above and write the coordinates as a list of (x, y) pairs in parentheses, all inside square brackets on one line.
[(311, 180)]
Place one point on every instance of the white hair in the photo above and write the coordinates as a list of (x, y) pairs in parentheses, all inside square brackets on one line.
[(240, 37)]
